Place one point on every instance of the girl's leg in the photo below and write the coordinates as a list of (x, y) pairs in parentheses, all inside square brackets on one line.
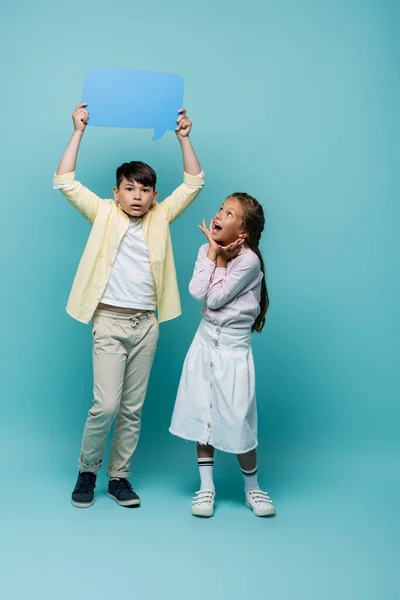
[(259, 501), (248, 464), (203, 502), (205, 461)]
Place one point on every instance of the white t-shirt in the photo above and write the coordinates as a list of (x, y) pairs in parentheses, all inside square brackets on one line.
[(131, 282)]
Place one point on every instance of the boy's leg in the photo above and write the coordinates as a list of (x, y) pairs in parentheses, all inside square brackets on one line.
[(138, 368), (109, 363)]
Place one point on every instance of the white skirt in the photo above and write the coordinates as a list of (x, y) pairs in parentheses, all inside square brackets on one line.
[(216, 400)]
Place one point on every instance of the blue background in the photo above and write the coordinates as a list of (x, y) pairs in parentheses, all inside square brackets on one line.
[(297, 103)]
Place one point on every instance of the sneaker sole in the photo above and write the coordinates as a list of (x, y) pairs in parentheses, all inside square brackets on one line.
[(82, 504), (202, 516), (126, 503), (269, 514)]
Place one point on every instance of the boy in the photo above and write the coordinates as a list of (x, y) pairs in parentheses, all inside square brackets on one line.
[(126, 272)]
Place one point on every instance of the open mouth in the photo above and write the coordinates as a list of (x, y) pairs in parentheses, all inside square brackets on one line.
[(217, 227)]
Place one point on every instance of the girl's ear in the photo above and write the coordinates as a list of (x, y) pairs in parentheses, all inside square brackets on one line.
[(243, 235)]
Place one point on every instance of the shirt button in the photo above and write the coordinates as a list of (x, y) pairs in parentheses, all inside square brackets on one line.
[(211, 384), (211, 364), (210, 404), (215, 342), (209, 425), (218, 330)]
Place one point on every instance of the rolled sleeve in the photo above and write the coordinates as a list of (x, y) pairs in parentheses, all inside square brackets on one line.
[(183, 196), (81, 198), (63, 181), (196, 181)]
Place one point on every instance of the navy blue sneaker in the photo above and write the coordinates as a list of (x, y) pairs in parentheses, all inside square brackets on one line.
[(83, 494), (121, 491)]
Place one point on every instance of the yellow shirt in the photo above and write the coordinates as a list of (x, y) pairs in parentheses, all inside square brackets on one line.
[(109, 225)]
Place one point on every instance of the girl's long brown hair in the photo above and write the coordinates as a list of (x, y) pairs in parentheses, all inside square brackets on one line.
[(253, 224)]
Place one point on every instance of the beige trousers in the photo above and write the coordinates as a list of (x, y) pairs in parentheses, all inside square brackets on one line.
[(123, 353)]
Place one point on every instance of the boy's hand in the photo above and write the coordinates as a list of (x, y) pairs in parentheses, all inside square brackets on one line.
[(191, 164), (80, 117), (184, 125)]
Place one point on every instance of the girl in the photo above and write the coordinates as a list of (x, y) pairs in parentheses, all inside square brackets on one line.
[(216, 403)]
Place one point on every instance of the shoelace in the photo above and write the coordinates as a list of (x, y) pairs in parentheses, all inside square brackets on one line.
[(123, 484), (203, 497), (260, 497), (86, 483)]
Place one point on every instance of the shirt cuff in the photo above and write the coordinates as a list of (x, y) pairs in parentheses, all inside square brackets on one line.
[(196, 181), (219, 273), (61, 180), (209, 264)]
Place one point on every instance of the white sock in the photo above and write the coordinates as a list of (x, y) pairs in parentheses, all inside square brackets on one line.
[(206, 466), (250, 479)]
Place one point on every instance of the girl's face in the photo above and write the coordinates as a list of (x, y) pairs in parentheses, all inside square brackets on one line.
[(228, 223)]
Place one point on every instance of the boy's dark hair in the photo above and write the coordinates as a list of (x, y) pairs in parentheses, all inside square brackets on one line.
[(137, 171), (253, 224)]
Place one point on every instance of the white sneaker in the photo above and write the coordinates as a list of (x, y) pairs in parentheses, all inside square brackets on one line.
[(203, 503), (260, 503)]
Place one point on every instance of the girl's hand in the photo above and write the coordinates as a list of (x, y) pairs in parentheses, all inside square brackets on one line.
[(213, 246), (226, 253), (80, 117), (184, 125)]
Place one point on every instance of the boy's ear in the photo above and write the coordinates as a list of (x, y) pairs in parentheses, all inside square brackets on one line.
[(116, 194), (155, 194)]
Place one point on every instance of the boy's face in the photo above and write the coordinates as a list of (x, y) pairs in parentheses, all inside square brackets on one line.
[(228, 222), (134, 198)]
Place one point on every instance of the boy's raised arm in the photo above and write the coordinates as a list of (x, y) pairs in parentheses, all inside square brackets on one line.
[(191, 164), (80, 117), (85, 201), (184, 195)]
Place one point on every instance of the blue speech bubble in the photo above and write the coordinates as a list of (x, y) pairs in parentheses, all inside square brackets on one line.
[(133, 98)]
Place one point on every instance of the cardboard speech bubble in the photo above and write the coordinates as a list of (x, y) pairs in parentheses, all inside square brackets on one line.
[(133, 98)]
